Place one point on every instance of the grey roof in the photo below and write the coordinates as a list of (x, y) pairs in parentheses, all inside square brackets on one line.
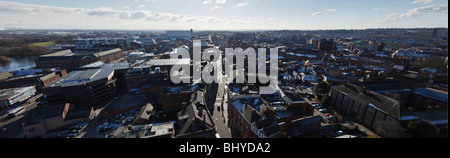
[(60, 53), (253, 102), (27, 72), (108, 52), (433, 94), (380, 102), (41, 113), (75, 78), (50, 75), (97, 64), (6, 93), (163, 62), (437, 117), (128, 101)]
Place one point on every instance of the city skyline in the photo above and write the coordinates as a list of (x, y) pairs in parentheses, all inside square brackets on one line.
[(222, 14)]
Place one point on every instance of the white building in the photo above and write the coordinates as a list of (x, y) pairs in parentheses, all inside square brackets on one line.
[(86, 43)]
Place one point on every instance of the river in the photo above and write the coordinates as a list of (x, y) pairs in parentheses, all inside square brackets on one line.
[(18, 63)]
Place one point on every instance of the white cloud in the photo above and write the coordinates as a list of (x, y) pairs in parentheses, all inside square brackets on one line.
[(382, 8), (242, 4), (207, 1), (104, 12), (21, 8), (215, 7), (317, 13), (141, 6), (423, 1), (322, 13), (97, 17), (146, 1), (221, 1), (414, 13)]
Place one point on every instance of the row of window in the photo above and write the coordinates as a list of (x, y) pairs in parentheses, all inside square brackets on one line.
[(372, 116)]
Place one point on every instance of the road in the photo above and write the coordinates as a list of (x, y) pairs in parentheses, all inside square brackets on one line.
[(220, 115), (91, 130), (12, 128)]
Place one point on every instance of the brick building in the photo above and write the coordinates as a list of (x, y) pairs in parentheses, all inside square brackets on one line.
[(368, 107), (73, 60)]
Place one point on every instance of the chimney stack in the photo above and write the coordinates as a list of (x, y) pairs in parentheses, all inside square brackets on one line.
[(344, 82)]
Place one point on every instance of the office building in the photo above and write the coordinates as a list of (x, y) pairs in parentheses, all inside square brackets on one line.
[(87, 43), (91, 87)]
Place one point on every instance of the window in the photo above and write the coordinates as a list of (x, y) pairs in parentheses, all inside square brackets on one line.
[(356, 106)]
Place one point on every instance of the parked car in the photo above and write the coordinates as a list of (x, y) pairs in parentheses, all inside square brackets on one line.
[(71, 135), (332, 119), (104, 127), (340, 132), (323, 110), (317, 106)]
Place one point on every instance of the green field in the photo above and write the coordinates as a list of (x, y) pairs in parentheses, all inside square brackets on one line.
[(43, 44)]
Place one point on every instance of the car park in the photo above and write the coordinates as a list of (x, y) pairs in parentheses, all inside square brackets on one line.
[(71, 135), (332, 119), (105, 127)]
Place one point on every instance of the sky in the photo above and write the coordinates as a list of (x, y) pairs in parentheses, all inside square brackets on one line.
[(222, 14)]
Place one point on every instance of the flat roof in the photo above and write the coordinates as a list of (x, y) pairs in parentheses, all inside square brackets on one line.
[(163, 62), (41, 113), (433, 94), (128, 101), (6, 93), (376, 100), (108, 52), (60, 53), (82, 77)]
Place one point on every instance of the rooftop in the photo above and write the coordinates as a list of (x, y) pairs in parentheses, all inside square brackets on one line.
[(156, 130), (108, 52), (60, 53), (6, 93), (165, 62), (432, 93), (45, 112), (69, 53), (128, 101), (380, 102), (75, 78)]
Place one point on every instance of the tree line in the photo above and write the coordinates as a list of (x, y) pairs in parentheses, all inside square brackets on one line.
[(20, 45)]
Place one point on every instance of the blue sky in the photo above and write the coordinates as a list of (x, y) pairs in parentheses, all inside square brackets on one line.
[(222, 14)]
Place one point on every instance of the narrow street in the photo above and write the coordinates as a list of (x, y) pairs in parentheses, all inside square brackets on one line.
[(220, 114)]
